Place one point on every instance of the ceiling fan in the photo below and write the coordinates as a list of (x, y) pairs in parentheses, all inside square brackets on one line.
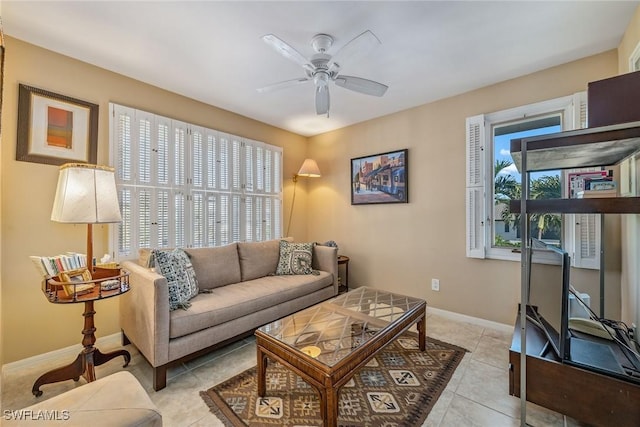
[(321, 68)]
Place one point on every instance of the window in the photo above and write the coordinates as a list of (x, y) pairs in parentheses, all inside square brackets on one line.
[(181, 185), (492, 181), (507, 181)]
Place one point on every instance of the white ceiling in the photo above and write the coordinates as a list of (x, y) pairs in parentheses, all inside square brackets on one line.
[(212, 50)]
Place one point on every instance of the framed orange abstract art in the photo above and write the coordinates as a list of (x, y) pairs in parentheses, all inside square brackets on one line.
[(55, 129)]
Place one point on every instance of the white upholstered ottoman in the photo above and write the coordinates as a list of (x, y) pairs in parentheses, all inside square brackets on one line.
[(115, 400)]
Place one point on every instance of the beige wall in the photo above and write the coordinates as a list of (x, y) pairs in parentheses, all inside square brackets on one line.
[(30, 324), (401, 247), (629, 42)]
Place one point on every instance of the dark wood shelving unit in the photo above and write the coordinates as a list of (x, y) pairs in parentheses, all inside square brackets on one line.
[(608, 205), (582, 393)]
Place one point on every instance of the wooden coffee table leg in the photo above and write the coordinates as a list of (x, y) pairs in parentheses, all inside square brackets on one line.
[(262, 372), (422, 332), (331, 407)]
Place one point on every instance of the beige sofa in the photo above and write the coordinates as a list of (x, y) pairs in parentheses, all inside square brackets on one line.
[(242, 294)]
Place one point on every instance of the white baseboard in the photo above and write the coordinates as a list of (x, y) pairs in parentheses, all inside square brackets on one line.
[(71, 352), (469, 319)]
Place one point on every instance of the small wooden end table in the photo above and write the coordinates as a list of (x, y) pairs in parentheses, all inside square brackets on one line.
[(327, 343), (90, 356), (344, 260)]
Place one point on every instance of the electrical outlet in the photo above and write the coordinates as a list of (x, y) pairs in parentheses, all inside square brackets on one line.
[(435, 284)]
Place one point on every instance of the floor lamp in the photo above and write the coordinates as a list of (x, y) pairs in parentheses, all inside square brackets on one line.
[(308, 169), (86, 194)]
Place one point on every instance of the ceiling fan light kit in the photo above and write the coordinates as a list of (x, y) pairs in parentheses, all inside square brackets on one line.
[(321, 68)]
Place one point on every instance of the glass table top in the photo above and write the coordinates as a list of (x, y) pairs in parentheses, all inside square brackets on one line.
[(333, 329)]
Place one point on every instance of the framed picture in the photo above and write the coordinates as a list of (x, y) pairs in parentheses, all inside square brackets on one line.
[(380, 178), (55, 129), (75, 281)]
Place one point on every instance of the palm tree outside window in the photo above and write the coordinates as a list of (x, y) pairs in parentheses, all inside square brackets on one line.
[(506, 178)]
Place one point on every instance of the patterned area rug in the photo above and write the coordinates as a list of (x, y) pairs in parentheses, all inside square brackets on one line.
[(398, 387)]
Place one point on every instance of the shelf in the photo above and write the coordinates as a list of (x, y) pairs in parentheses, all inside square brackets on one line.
[(606, 205), (602, 146)]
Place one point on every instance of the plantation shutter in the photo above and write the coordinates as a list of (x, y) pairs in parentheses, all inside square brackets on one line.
[(181, 185), (583, 230), (475, 195)]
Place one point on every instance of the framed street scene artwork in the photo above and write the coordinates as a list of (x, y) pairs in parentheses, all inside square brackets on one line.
[(55, 129), (380, 178)]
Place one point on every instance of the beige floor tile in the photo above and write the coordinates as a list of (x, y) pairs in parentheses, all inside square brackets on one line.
[(488, 386), (465, 412), (439, 410), (454, 332), (181, 404), (492, 351)]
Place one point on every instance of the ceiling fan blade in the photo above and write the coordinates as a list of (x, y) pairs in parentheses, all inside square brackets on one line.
[(283, 85), (358, 84), (322, 99), (287, 51), (356, 48)]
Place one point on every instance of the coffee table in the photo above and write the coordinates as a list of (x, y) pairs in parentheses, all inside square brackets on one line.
[(327, 343)]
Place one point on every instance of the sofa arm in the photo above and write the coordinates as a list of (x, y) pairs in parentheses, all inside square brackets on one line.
[(144, 313), (325, 258)]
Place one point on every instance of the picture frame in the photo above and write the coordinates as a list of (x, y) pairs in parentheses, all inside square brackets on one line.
[(55, 129), (380, 178), (74, 281)]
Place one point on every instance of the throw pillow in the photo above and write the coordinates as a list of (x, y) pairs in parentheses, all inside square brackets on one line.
[(176, 267), (295, 258)]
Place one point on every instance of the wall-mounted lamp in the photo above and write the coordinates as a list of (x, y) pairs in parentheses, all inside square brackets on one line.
[(308, 169)]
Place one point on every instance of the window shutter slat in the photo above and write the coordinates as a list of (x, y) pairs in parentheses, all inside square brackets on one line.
[(162, 153), (162, 219), (197, 158), (249, 167), (124, 148), (144, 150), (179, 153), (475, 202), (125, 228)]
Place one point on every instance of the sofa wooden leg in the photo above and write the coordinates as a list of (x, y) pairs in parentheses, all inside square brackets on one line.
[(159, 377), (125, 339)]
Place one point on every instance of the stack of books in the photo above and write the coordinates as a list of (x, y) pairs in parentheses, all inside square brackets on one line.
[(54, 265)]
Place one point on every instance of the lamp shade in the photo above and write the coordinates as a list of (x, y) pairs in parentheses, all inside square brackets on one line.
[(310, 169), (86, 194)]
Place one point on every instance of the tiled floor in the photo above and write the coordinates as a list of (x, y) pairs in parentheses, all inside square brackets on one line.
[(477, 395)]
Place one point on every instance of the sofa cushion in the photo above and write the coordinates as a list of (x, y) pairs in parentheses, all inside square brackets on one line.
[(176, 267), (258, 259), (215, 267), (230, 302), (295, 258)]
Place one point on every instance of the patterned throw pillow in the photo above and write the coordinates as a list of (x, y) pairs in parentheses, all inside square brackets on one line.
[(295, 258), (176, 267)]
